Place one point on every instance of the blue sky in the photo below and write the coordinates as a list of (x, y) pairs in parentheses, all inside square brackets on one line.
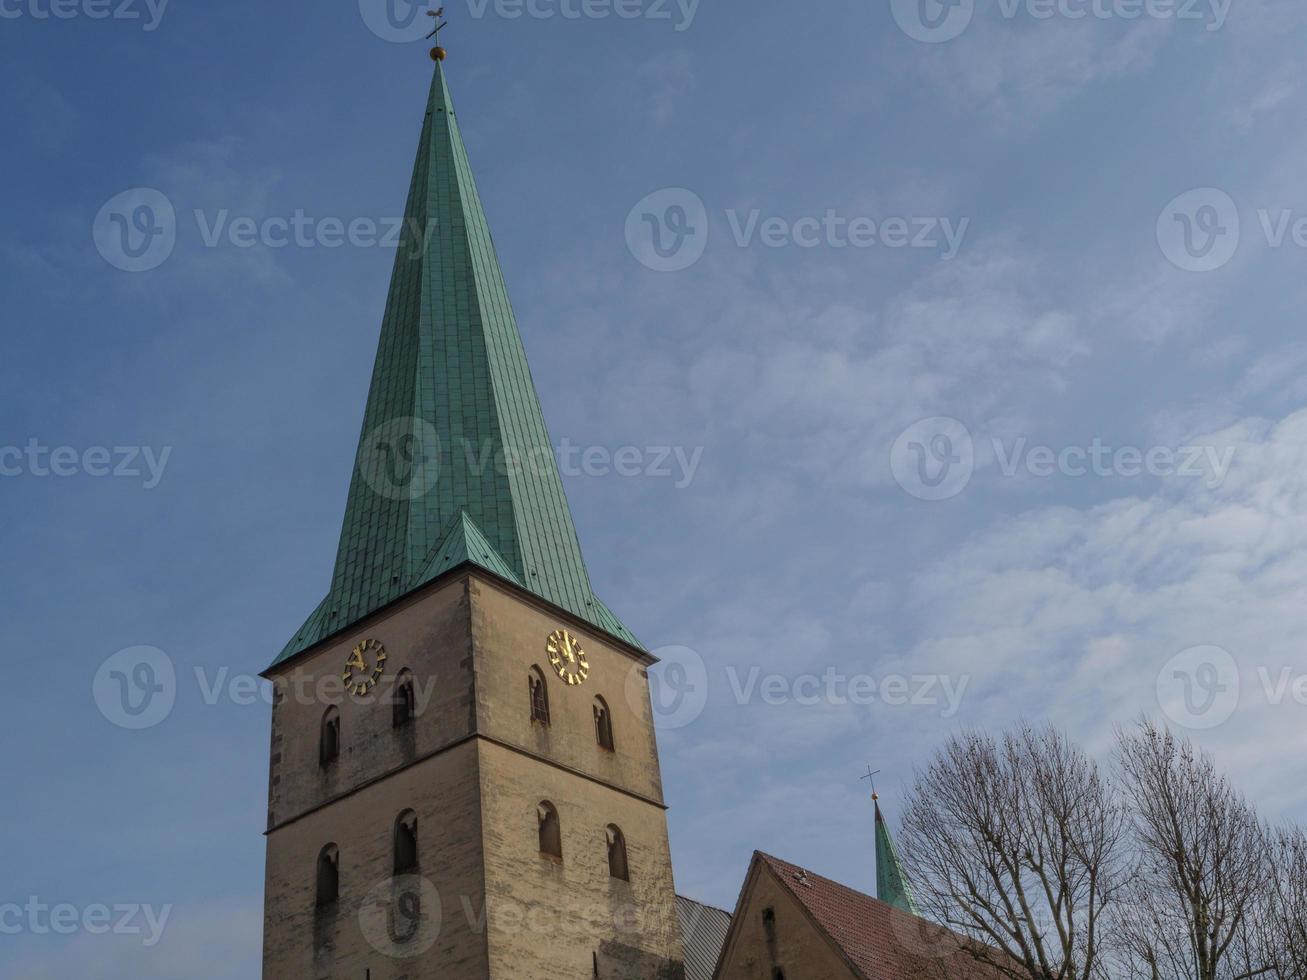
[(1073, 319)]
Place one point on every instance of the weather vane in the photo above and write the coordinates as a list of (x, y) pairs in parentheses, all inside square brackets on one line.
[(871, 776), (437, 53)]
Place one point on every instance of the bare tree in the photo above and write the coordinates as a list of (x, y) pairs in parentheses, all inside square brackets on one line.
[(1278, 937), (1015, 844), (1200, 868), (1147, 940)]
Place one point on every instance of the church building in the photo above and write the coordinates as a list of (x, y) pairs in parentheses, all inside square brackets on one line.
[(464, 778)]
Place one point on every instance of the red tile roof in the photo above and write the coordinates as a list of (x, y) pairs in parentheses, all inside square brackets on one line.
[(882, 942)]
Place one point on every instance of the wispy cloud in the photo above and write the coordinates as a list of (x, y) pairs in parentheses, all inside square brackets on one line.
[(1073, 612), (667, 82), (1020, 70)]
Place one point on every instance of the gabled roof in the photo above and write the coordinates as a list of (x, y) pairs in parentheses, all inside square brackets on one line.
[(703, 934), (455, 464), (463, 544), (878, 941)]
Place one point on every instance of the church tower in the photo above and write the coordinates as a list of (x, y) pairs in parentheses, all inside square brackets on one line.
[(464, 775)]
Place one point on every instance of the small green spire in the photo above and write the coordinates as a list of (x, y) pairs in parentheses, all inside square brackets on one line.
[(455, 464), (891, 885)]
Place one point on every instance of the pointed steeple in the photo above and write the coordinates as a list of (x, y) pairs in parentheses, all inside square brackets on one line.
[(891, 885), (455, 464)]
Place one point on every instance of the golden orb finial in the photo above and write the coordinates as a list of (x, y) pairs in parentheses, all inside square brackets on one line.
[(871, 777), (437, 53)]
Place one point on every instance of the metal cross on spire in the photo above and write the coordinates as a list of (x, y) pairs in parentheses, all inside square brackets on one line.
[(436, 15), (871, 777), (437, 53)]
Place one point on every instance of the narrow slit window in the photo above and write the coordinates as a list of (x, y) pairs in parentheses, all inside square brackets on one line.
[(618, 866), (330, 746), (539, 691), (406, 842), (328, 876), (603, 725), (551, 831), (405, 700)]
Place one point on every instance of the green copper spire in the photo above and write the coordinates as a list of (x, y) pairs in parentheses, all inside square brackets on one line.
[(455, 464), (891, 885)]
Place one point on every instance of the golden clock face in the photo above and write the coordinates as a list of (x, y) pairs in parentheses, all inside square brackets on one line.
[(567, 657), (364, 668)]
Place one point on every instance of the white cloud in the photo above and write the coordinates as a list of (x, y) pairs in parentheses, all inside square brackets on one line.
[(666, 81), (802, 386), (1066, 612), (1260, 78), (1021, 69), (1072, 612)]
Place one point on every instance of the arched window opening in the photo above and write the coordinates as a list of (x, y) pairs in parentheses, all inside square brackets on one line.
[(618, 867), (405, 699), (551, 831), (539, 697), (330, 747), (328, 876), (769, 924), (778, 974), (406, 842), (603, 725)]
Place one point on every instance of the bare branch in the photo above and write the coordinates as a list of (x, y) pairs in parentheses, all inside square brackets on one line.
[(1015, 843), (1200, 868)]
